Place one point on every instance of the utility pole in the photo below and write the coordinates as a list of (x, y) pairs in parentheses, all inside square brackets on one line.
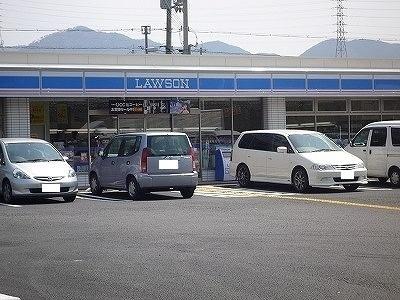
[(167, 5), (168, 45), (186, 48), (146, 30), (341, 50)]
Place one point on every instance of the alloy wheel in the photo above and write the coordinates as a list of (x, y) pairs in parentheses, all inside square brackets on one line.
[(300, 181), (7, 192), (243, 176), (395, 177)]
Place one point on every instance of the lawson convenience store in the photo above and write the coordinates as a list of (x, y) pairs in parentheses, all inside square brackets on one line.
[(78, 102)]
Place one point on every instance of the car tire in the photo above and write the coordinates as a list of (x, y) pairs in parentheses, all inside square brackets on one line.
[(187, 193), (7, 196), (69, 198), (382, 179), (133, 189), (95, 186), (243, 176), (394, 177), (300, 180), (351, 187)]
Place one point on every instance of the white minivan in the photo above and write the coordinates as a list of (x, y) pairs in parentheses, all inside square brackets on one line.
[(298, 157), (378, 145)]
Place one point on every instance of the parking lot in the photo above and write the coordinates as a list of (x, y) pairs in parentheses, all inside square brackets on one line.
[(373, 195), (225, 242)]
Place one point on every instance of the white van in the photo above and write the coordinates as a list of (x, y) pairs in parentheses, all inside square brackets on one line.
[(378, 145), (298, 157)]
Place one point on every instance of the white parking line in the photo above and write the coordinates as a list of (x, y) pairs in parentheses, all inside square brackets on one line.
[(100, 198), (6, 297)]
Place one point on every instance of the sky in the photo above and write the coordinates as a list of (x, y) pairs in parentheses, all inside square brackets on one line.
[(258, 26)]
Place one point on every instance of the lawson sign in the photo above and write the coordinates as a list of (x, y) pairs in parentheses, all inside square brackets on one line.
[(165, 83)]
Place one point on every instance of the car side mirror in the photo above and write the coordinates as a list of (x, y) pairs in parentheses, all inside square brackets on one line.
[(2, 161), (282, 149), (65, 158), (101, 153)]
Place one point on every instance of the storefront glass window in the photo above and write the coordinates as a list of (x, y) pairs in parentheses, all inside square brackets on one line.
[(64, 124), (1, 118), (300, 122), (390, 117), (296, 105), (335, 127), (365, 105), (332, 105), (391, 104), (358, 122)]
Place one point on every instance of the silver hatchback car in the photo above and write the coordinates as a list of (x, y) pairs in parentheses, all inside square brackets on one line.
[(34, 168), (145, 162)]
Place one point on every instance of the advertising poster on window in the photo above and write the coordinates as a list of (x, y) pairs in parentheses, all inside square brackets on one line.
[(62, 113), (37, 113), (178, 107), (117, 106), (152, 107)]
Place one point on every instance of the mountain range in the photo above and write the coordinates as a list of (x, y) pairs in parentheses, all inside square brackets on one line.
[(82, 39)]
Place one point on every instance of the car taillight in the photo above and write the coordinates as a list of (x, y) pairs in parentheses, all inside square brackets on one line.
[(143, 162), (192, 154)]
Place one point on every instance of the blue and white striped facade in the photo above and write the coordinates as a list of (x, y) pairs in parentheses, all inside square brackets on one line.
[(40, 80), (25, 77)]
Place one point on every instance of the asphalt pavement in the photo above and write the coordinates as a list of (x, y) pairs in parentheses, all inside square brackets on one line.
[(266, 242)]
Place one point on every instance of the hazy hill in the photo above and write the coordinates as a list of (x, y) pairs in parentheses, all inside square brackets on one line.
[(82, 39), (355, 49)]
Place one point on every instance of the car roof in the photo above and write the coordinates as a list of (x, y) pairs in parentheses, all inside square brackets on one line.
[(21, 140), (284, 132), (384, 123)]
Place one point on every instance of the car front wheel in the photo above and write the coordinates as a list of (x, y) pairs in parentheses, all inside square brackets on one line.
[(300, 180), (95, 186), (7, 192), (243, 176)]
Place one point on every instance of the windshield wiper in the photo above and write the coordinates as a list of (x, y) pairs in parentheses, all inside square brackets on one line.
[(322, 150), (36, 160), (56, 159)]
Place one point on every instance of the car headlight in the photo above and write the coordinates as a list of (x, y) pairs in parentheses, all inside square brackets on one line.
[(360, 165), (20, 175), (322, 167), (71, 173)]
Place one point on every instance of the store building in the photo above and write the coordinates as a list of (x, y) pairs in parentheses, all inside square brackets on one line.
[(79, 101)]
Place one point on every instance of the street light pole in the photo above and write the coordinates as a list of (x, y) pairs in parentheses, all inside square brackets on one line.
[(146, 30)]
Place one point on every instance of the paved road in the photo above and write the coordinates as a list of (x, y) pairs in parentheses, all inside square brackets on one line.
[(224, 243)]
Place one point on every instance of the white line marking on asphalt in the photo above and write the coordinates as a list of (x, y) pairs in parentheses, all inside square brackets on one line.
[(10, 205), (6, 297), (99, 198)]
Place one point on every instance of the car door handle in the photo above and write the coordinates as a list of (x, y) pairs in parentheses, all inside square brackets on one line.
[(370, 151), (113, 163), (128, 162), (269, 158), (364, 150)]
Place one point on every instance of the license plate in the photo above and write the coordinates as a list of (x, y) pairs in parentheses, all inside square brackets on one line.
[(168, 164), (50, 188), (347, 175)]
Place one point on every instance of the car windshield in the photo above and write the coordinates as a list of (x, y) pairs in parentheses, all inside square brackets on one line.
[(32, 152), (313, 142), (166, 145)]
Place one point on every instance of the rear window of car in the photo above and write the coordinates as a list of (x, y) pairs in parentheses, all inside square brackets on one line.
[(165, 145)]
